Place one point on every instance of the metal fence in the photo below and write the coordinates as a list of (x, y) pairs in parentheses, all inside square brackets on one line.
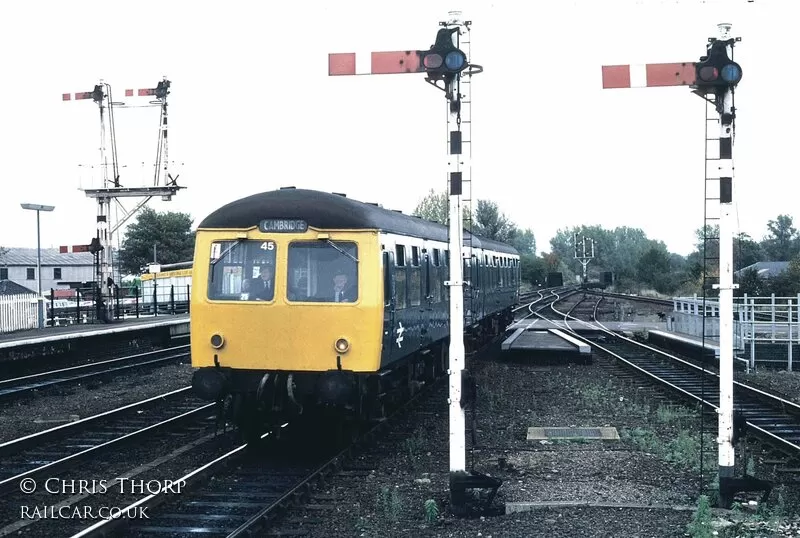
[(18, 312), (766, 329)]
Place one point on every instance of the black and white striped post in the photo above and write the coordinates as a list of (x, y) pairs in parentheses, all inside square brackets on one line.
[(444, 64), (716, 74), (724, 97)]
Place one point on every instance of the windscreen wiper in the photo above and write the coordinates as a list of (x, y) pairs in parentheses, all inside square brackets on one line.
[(214, 262), (331, 243)]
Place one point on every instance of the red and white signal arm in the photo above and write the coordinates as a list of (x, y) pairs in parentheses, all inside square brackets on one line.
[(648, 75)]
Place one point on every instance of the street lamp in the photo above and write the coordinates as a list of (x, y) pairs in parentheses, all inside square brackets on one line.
[(39, 300)]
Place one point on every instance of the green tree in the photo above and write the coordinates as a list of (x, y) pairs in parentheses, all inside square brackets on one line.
[(782, 242), (170, 232), (746, 251), (751, 284), (787, 284), (654, 269), (524, 242), (435, 206), (533, 269), (492, 223)]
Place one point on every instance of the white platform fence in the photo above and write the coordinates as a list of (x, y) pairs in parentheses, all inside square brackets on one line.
[(765, 329), (18, 312)]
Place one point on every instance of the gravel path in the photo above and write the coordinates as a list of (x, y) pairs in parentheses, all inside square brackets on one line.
[(653, 464)]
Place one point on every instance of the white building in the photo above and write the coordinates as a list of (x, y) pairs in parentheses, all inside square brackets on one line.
[(59, 270)]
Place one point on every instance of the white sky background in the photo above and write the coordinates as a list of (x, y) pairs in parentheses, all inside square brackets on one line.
[(252, 109)]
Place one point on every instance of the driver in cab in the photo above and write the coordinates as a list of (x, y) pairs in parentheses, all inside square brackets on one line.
[(342, 293), (261, 288)]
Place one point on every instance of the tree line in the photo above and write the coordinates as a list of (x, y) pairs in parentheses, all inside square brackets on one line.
[(637, 262)]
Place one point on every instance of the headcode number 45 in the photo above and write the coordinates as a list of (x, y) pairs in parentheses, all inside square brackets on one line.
[(268, 245)]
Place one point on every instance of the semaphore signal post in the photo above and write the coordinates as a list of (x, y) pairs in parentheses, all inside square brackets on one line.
[(714, 78), (444, 64)]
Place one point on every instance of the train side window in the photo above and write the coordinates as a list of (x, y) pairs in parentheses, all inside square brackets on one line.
[(400, 287), (322, 272), (400, 255), (415, 256), (447, 258), (436, 257), (415, 286), (436, 284)]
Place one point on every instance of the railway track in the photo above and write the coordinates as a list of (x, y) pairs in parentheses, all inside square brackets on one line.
[(767, 416), (66, 446), (241, 492), (20, 386)]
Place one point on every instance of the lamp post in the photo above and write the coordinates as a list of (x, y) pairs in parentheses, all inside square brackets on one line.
[(39, 301)]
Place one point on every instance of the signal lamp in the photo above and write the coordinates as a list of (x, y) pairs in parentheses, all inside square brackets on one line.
[(708, 73), (717, 72), (732, 73), (444, 60), (455, 60), (432, 61)]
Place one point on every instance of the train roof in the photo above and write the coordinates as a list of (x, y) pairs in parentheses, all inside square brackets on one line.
[(324, 210)]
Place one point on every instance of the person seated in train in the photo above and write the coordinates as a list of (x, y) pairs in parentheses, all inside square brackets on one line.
[(261, 288), (342, 293)]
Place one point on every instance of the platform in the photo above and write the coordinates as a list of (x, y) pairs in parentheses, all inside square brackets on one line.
[(684, 343), (540, 342), (629, 327), (175, 325)]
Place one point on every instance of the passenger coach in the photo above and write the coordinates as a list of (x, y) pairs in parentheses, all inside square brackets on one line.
[(304, 299)]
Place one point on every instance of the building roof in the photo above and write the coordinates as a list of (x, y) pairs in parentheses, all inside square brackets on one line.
[(765, 269), (7, 287), (50, 257), (324, 210)]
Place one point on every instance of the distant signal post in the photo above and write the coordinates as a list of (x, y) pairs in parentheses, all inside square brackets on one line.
[(444, 64), (715, 75)]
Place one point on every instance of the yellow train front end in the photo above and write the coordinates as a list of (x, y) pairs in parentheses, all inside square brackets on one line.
[(283, 315)]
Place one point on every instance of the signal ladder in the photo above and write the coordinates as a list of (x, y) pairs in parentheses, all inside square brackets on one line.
[(711, 215), (463, 87)]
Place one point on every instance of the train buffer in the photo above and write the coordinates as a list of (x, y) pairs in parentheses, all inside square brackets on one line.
[(548, 344)]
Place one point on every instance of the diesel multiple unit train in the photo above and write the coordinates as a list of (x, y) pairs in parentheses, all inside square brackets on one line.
[(304, 300)]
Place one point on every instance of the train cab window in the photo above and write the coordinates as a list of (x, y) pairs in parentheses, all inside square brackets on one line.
[(322, 272), (242, 270)]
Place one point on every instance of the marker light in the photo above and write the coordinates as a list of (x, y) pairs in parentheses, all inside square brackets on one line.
[(217, 341), (455, 60), (342, 345), (731, 73), (432, 61)]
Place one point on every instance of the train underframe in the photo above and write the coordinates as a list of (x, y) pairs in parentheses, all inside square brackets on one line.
[(257, 401)]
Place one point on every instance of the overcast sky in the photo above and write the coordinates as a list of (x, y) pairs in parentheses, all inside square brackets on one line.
[(252, 109)]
